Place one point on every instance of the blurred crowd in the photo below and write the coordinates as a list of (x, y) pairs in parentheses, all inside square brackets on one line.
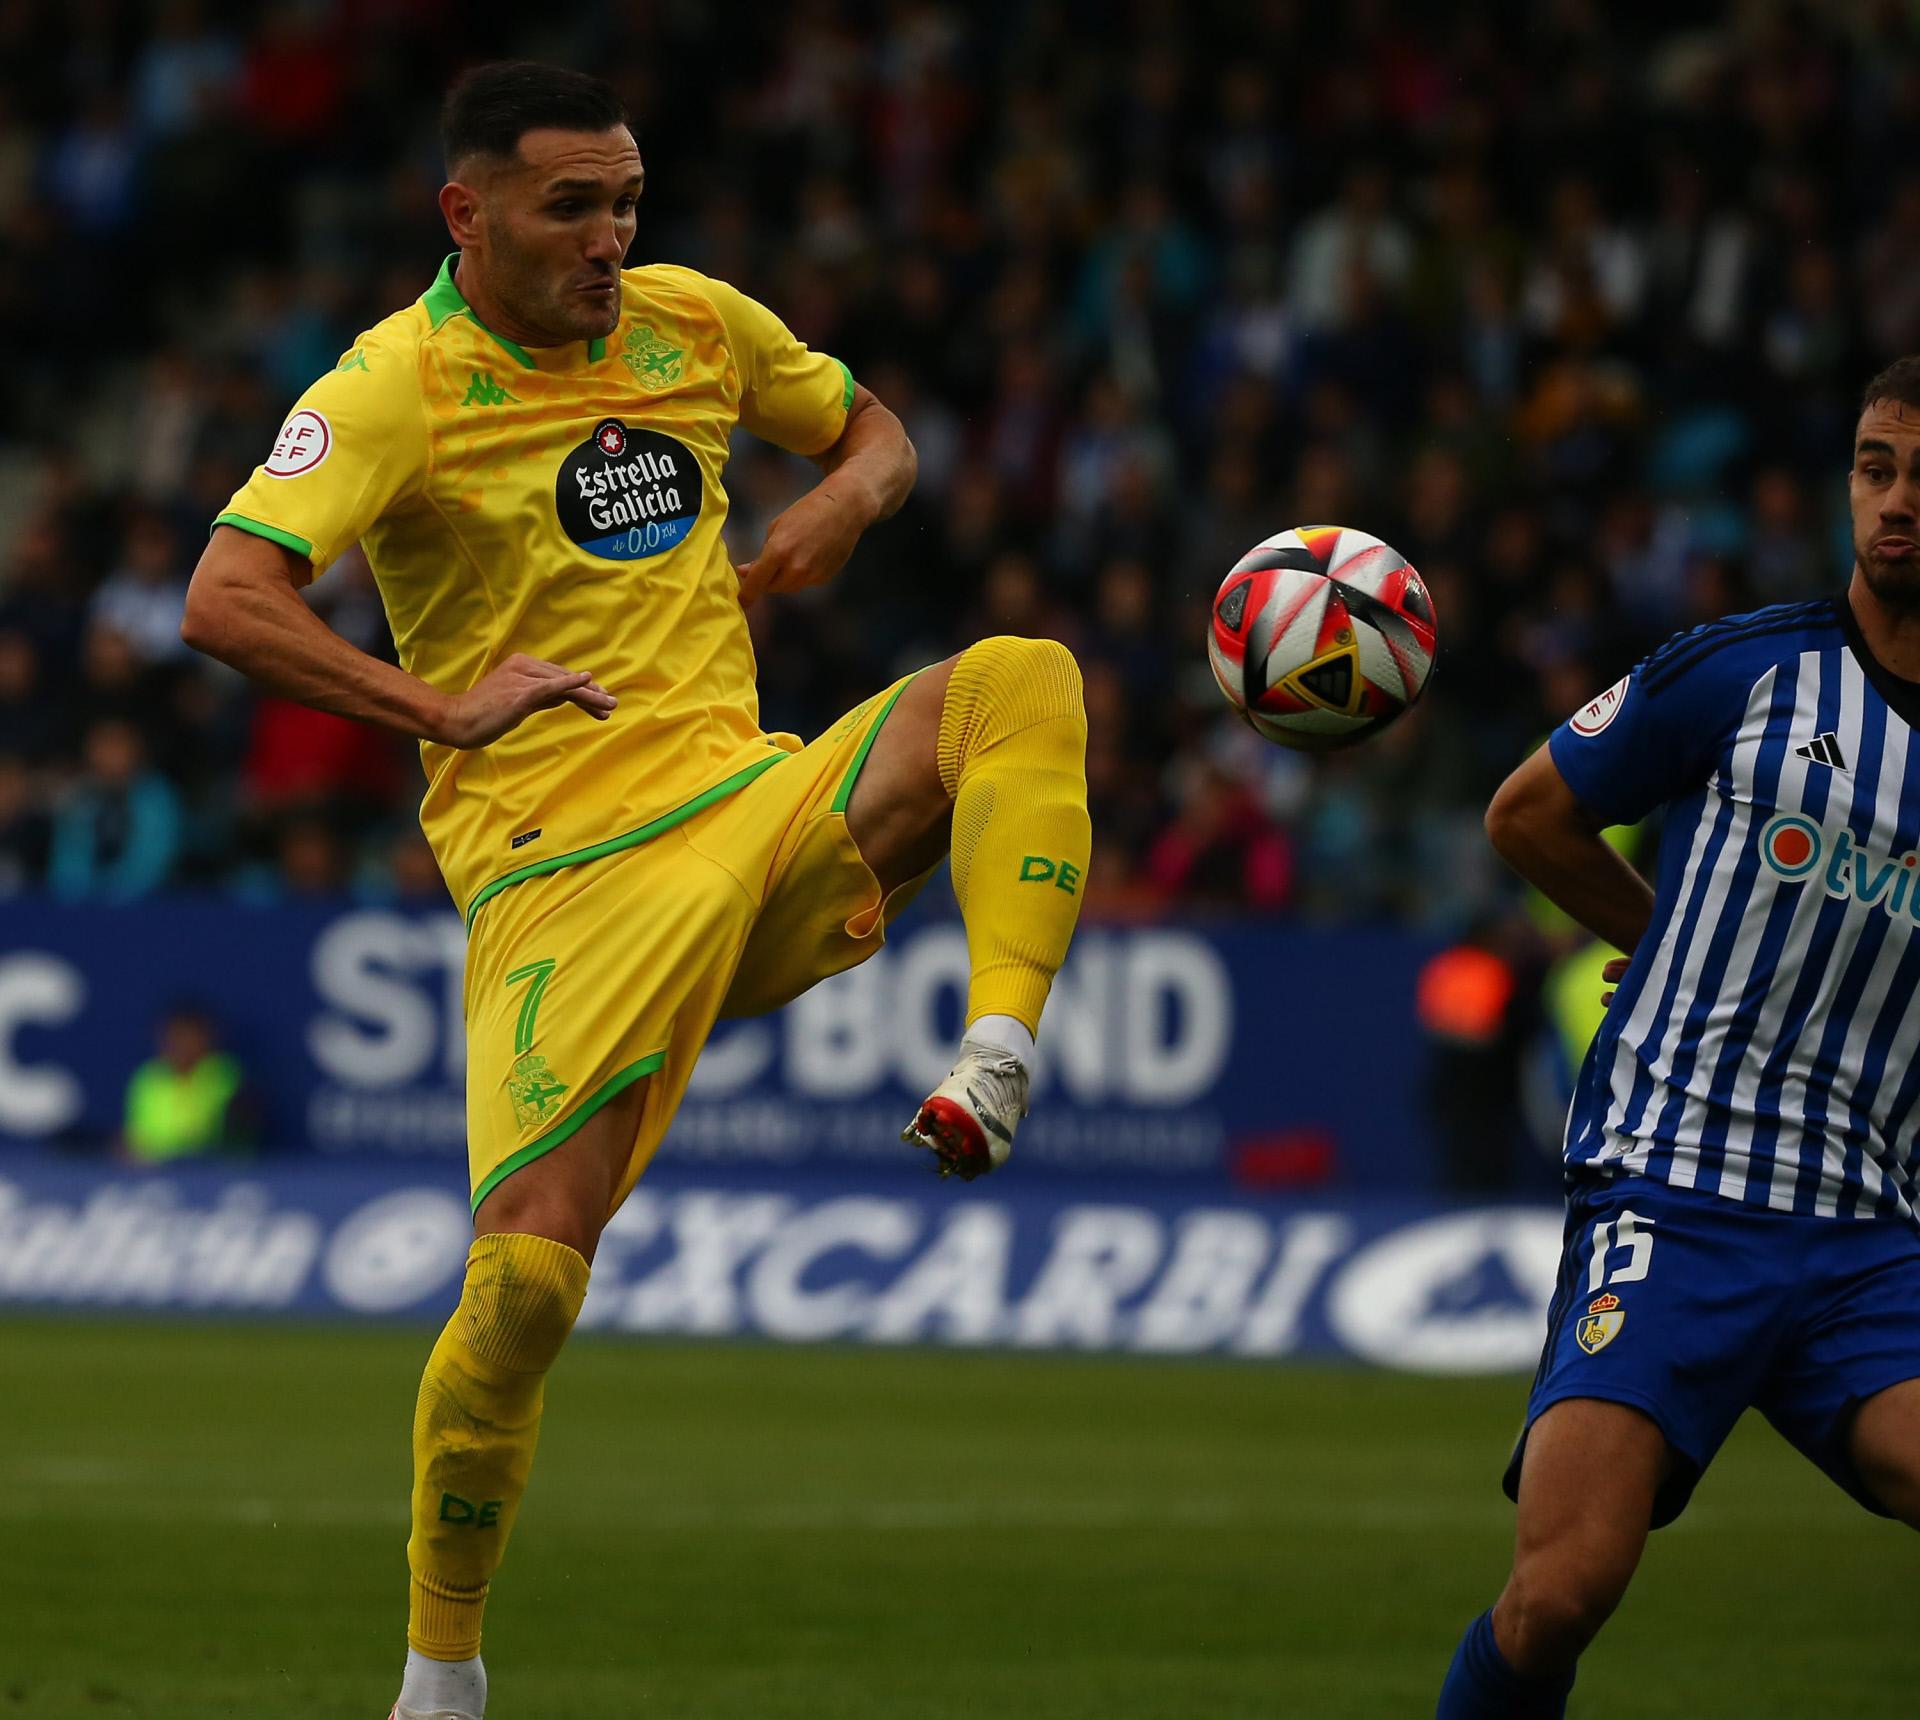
[(1570, 302)]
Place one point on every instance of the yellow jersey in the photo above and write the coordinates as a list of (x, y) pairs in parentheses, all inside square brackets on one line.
[(565, 502)]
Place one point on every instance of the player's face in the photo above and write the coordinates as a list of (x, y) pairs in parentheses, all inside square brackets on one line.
[(555, 225), (1884, 487)]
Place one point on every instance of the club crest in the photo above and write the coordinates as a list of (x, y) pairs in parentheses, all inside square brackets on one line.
[(1601, 1324), (534, 1090), (654, 363)]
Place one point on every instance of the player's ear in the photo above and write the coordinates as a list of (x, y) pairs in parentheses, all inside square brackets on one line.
[(460, 205)]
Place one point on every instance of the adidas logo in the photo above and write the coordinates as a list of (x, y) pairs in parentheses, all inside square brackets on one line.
[(1823, 749)]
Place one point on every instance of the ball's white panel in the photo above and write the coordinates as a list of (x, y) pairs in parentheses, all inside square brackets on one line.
[(1367, 566), (1286, 589), (1346, 546), (1225, 671), (1419, 665), (1379, 664), (1298, 641)]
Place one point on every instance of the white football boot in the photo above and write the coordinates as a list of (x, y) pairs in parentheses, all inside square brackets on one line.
[(402, 1712), (967, 1122)]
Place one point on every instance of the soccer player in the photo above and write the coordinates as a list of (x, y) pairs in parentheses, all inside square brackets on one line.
[(531, 457), (1742, 1164)]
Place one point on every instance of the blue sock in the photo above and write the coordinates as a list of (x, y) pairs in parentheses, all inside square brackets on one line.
[(1482, 1686)]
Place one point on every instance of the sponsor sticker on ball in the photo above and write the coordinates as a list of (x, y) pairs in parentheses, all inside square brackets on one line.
[(304, 441), (1594, 716)]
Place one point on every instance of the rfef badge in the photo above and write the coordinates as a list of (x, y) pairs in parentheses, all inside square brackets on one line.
[(1601, 1323)]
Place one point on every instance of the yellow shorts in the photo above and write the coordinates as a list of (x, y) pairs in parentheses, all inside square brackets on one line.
[(586, 979)]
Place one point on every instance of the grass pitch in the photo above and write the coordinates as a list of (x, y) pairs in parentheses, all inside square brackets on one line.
[(202, 1521)]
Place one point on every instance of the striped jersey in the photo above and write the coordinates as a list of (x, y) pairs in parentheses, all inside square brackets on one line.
[(1763, 1043)]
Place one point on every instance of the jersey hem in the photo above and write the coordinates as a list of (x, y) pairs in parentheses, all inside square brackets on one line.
[(632, 839), (564, 1131), (273, 534)]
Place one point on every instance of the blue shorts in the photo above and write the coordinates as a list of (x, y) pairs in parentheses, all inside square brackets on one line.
[(1692, 1308)]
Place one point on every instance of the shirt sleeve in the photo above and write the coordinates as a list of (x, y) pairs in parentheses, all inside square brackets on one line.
[(353, 448), (790, 395), (1648, 739)]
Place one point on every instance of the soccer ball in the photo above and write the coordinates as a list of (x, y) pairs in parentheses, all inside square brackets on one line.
[(1321, 637)]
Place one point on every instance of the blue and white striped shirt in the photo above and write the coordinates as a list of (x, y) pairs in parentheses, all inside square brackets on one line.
[(1763, 1043)]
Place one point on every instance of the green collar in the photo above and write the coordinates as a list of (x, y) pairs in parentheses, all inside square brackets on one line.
[(443, 300)]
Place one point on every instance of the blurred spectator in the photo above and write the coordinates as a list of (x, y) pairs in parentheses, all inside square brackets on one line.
[(298, 756), (116, 829), (190, 1099), (1358, 236), (23, 829), (1221, 851), (1574, 314), (412, 872), (1470, 999), (29, 714), (144, 598)]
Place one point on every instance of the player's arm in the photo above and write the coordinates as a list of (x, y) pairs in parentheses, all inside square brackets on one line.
[(353, 450), (868, 474), (808, 403), (244, 607), (1542, 831)]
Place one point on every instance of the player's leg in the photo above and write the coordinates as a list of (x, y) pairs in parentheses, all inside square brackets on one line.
[(1885, 1449), (1844, 1389), (990, 747), (477, 1419), (1588, 1483)]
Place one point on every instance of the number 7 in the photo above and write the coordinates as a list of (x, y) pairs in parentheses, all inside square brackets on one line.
[(538, 975)]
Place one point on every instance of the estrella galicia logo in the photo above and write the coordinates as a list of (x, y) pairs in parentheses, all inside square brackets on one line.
[(626, 493)]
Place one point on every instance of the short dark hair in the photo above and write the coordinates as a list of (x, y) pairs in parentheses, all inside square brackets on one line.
[(1899, 382), (490, 108)]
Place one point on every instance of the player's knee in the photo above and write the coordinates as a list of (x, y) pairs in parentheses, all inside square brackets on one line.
[(520, 1300), (1030, 679), (1004, 685), (1042, 671), (1546, 1623)]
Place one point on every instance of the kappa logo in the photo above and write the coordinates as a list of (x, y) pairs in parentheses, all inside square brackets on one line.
[(484, 391), (1594, 716)]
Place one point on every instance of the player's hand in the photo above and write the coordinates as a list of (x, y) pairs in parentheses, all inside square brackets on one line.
[(1613, 973), (506, 696), (806, 545)]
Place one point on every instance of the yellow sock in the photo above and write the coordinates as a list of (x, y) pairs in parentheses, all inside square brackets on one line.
[(1013, 754), (475, 1428)]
